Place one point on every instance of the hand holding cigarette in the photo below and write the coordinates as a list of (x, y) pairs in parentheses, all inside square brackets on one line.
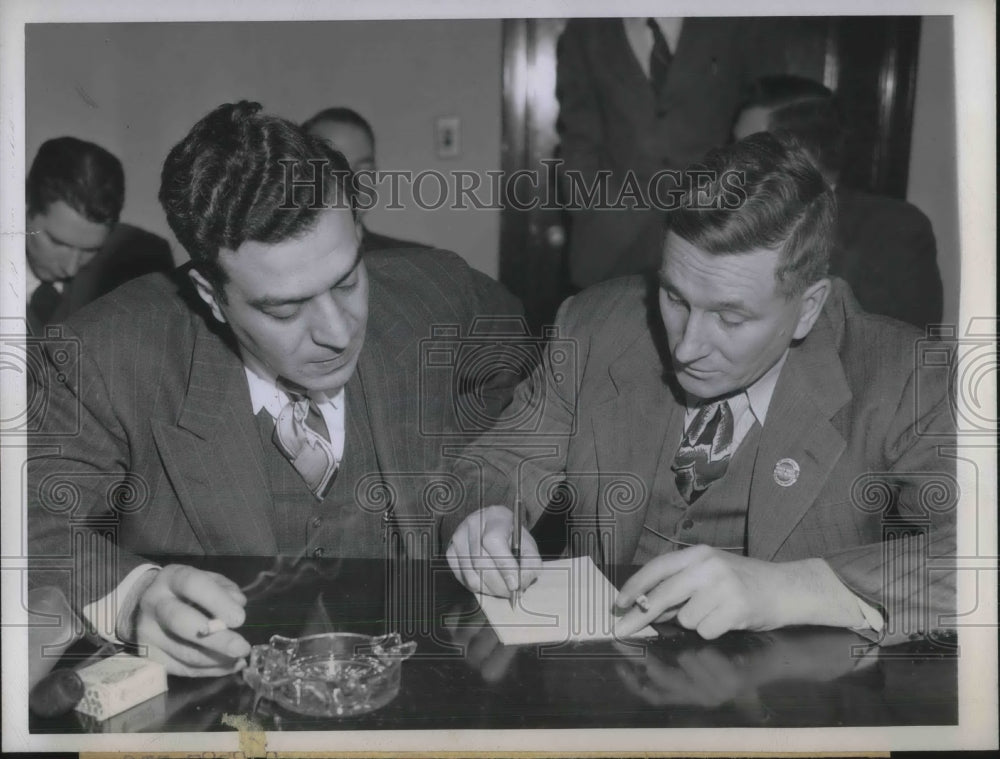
[(187, 617)]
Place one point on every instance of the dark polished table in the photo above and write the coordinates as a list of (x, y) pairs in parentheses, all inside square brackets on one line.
[(461, 677)]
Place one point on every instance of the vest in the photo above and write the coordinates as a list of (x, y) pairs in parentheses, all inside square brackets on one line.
[(336, 526), (719, 516)]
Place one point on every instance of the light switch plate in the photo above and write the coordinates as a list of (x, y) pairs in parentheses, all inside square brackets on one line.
[(447, 136)]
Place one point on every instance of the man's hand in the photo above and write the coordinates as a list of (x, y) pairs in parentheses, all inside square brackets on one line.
[(480, 557), (172, 621), (713, 591)]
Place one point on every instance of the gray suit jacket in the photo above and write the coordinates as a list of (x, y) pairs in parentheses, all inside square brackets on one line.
[(156, 450), (866, 423)]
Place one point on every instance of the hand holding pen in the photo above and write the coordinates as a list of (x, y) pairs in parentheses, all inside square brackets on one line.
[(489, 553)]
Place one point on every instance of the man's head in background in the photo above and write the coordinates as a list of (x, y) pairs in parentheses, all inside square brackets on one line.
[(802, 107), (347, 131), (740, 282), (75, 191), (276, 262)]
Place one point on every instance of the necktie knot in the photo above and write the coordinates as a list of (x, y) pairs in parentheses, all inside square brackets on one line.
[(703, 456), (301, 434)]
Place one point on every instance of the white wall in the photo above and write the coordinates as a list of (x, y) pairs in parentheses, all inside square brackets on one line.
[(137, 89), (933, 185)]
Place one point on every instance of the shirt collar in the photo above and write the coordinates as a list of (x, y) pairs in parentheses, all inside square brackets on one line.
[(32, 282), (671, 28), (265, 393), (760, 392), (758, 395)]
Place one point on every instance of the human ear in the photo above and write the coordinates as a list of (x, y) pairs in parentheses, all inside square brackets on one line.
[(207, 293), (810, 306)]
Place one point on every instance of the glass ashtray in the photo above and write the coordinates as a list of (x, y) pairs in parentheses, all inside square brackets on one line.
[(328, 675)]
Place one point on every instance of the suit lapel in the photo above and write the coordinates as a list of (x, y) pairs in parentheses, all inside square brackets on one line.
[(389, 390), (629, 429), (811, 389), (620, 59), (214, 458)]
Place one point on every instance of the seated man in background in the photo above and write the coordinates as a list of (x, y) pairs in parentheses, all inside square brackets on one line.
[(246, 405), (885, 248), (729, 428), (76, 248), (351, 134)]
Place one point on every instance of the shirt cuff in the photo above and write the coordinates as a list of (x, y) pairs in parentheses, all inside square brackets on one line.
[(873, 618), (102, 614)]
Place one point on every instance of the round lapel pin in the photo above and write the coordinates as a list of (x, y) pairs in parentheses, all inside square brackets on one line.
[(786, 472)]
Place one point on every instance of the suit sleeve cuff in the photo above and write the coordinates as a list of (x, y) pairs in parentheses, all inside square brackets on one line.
[(102, 614)]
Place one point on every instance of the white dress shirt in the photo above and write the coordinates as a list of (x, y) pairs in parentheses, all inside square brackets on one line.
[(265, 394), (31, 283), (640, 37)]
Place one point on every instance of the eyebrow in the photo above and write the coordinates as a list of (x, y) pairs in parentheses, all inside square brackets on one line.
[(57, 241), (270, 302), (723, 305)]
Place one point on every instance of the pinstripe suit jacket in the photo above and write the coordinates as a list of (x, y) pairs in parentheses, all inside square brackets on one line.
[(852, 407), (162, 444)]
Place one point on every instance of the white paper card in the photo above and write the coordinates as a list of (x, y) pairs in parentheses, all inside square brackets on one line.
[(572, 600)]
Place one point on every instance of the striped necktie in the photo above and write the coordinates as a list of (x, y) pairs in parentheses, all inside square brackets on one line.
[(301, 434), (660, 58), (704, 452)]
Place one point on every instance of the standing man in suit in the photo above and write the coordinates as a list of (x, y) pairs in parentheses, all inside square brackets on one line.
[(350, 133), (76, 248), (885, 248), (266, 401), (744, 432), (638, 96)]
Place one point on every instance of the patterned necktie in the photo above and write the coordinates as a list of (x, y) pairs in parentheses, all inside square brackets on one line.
[(44, 302), (660, 58), (301, 434), (704, 452)]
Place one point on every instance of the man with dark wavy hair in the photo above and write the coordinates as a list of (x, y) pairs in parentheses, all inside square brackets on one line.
[(76, 248), (748, 407), (249, 412)]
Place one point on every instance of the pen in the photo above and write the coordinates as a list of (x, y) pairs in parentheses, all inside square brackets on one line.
[(515, 549)]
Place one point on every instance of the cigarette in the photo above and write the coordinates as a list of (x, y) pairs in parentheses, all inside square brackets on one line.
[(642, 602), (213, 626)]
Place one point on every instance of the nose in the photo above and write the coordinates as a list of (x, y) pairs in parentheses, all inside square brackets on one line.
[(692, 344), (73, 262), (77, 260), (332, 325)]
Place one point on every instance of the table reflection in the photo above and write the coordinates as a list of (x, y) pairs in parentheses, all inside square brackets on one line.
[(461, 677)]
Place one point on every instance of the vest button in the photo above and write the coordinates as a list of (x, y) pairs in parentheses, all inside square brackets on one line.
[(316, 521), (687, 524), (318, 552)]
